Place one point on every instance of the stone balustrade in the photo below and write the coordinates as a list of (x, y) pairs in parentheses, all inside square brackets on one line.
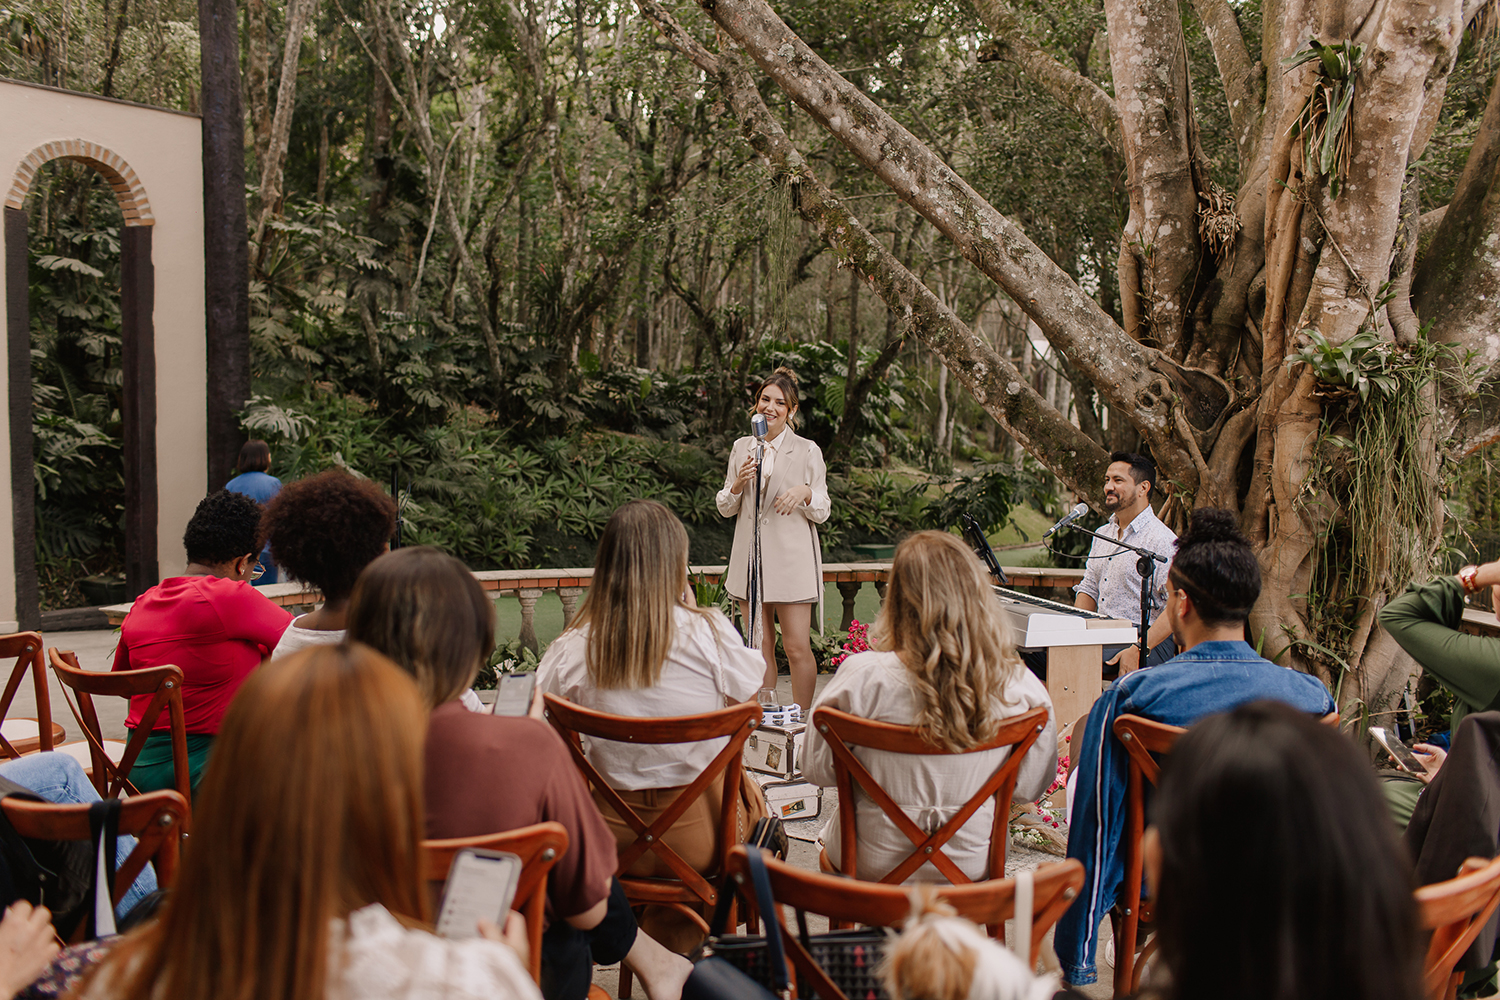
[(569, 584)]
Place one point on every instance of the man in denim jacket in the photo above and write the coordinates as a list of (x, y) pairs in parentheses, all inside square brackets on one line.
[(1212, 585)]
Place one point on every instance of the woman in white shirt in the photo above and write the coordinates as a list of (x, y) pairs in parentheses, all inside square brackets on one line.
[(640, 647), (303, 878), (793, 502), (943, 661)]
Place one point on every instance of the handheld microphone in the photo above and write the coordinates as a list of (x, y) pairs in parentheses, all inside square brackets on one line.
[(758, 426), (1071, 516)]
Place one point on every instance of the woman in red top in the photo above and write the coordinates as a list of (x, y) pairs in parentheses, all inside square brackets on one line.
[(209, 623)]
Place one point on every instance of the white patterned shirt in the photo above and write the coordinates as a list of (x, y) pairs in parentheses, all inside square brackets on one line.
[(1110, 577)]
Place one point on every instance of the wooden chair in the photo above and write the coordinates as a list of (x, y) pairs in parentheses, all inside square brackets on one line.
[(109, 761), (1144, 741), (689, 892), (156, 820), (1456, 911), (26, 735), (844, 732), (539, 847), (875, 904)]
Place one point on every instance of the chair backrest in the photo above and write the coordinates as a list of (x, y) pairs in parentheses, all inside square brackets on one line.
[(539, 847), (843, 900), (164, 684), (1456, 911), (844, 732), (1143, 740), (736, 723), (26, 649), (156, 820)]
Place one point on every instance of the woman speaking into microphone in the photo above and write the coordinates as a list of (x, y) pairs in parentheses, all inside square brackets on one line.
[(792, 500)]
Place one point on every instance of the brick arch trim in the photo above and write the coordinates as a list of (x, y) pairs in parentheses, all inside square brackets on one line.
[(128, 189)]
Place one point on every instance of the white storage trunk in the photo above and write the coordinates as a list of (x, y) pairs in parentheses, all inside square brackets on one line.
[(793, 800), (777, 750)]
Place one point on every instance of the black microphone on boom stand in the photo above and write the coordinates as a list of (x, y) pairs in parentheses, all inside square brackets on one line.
[(758, 427), (1145, 565)]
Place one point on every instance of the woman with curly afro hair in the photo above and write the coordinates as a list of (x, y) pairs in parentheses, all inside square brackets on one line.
[(323, 530), (210, 623)]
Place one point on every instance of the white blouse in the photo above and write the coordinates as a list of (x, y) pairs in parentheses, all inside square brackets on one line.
[(707, 663), (875, 685), (382, 960), (375, 957)]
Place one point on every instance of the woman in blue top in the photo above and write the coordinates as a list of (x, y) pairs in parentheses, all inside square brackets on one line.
[(256, 483)]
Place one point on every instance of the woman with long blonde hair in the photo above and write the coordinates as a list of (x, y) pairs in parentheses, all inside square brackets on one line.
[(302, 877), (943, 661), (640, 647)]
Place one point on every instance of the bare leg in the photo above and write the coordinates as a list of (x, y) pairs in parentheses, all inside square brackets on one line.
[(796, 626), (662, 972), (767, 641)]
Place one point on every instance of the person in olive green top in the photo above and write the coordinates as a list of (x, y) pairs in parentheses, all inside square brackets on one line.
[(1425, 621)]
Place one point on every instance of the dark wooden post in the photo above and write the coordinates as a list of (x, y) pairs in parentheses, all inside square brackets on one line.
[(18, 375), (226, 246), (138, 359)]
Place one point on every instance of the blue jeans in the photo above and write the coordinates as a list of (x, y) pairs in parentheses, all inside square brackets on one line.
[(59, 778)]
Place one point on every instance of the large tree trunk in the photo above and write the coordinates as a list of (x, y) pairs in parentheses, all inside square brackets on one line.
[(298, 14), (1200, 370)]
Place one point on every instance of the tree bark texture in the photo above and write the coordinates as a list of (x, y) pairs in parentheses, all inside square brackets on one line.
[(226, 250), (1200, 368)]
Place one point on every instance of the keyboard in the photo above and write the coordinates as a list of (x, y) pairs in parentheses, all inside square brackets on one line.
[(1038, 623)]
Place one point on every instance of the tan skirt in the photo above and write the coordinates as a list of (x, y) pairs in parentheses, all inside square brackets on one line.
[(694, 837)]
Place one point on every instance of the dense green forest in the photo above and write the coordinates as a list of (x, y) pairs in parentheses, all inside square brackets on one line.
[(526, 258), (537, 275)]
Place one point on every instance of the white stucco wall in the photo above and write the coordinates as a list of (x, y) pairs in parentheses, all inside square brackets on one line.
[(164, 149)]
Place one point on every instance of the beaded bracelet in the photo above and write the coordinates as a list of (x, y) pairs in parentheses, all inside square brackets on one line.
[(1469, 577)]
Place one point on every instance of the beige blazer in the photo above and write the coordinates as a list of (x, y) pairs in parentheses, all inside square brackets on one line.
[(792, 559)]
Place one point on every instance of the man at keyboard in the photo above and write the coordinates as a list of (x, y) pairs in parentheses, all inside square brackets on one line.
[(1111, 583)]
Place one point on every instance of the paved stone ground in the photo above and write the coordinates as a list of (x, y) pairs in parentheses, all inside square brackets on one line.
[(96, 651)]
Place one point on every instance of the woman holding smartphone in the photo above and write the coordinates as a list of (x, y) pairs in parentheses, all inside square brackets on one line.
[(793, 492), (303, 878)]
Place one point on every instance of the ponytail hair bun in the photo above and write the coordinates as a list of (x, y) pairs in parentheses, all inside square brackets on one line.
[(1213, 525), (784, 370)]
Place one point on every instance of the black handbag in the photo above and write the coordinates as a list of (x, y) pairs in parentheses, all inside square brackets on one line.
[(850, 959)]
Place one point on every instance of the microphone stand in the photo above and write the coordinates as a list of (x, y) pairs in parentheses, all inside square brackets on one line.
[(756, 595), (1145, 565)]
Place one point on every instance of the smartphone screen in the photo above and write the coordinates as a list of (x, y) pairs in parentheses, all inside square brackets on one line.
[(481, 886), (513, 694), (1405, 759)]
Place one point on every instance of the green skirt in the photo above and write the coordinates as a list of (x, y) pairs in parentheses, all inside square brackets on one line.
[(153, 768)]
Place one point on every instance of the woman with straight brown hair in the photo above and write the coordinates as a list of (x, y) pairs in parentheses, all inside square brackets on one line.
[(640, 647), (942, 660), (302, 877), (424, 609)]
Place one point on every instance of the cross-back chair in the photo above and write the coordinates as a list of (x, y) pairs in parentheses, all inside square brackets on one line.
[(1455, 911), (1144, 741), (539, 847), (844, 732), (26, 735), (109, 761), (849, 901), (156, 820), (690, 892)]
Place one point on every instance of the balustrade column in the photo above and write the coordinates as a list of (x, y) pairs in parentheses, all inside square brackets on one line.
[(528, 598), (849, 590), (569, 597)]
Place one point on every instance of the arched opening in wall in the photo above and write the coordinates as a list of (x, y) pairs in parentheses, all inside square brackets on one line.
[(81, 377)]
